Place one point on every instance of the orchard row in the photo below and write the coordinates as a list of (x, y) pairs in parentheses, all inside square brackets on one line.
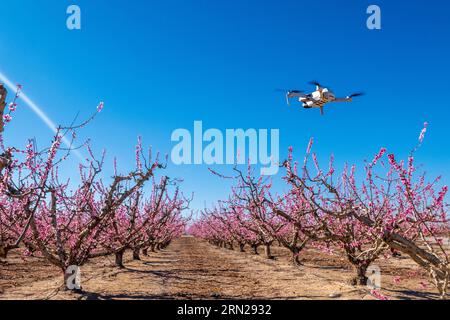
[(49, 217), (391, 209)]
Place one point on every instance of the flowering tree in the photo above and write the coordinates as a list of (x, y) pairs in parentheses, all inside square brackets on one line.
[(421, 226), (79, 220), (141, 223), (326, 204), (392, 207), (298, 227), (66, 225), (245, 213), (24, 175)]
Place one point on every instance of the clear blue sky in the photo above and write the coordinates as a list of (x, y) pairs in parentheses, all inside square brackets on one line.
[(160, 65)]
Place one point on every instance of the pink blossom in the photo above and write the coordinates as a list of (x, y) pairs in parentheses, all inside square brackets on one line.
[(310, 144), (7, 118), (12, 106), (441, 195), (422, 133), (378, 156), (100, 106)]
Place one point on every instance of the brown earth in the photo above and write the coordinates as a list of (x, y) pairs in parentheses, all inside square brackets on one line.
[(193, 269)]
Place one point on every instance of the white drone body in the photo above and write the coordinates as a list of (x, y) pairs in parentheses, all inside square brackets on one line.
[(318, 98)]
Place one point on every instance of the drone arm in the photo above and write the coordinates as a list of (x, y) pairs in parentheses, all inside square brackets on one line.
[(295, 94), (290, 95), (346, 99)]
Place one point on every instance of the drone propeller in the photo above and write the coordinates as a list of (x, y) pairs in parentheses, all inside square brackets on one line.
[(356, 94), (289, 95), (315, 83), (318, 85)]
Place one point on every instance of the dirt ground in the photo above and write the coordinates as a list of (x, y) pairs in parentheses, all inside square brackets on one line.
[(193, 269)]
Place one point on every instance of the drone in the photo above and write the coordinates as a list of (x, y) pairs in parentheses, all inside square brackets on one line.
[(319, 98)]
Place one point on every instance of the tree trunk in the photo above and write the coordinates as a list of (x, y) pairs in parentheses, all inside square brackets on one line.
[(3, 252), (255, 249), (136, 254), (241, 247), (395, 253), (152, 248), (296, 257), (360, 278), (119, 258), (145, 252), (268, 252)]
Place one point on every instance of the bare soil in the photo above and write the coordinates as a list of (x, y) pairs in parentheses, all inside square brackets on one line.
[(191, 268)]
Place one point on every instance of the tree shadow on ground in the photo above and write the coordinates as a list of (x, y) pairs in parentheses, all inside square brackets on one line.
[(184, 296), (409, 294), (157, 273), (122, 296)]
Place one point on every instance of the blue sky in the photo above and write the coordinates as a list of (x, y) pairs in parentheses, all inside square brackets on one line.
[(160, 65)]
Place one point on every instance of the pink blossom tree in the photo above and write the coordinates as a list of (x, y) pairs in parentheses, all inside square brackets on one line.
[(68, 226)]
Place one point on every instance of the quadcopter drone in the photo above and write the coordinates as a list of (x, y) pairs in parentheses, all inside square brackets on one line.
[(318, 98)]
